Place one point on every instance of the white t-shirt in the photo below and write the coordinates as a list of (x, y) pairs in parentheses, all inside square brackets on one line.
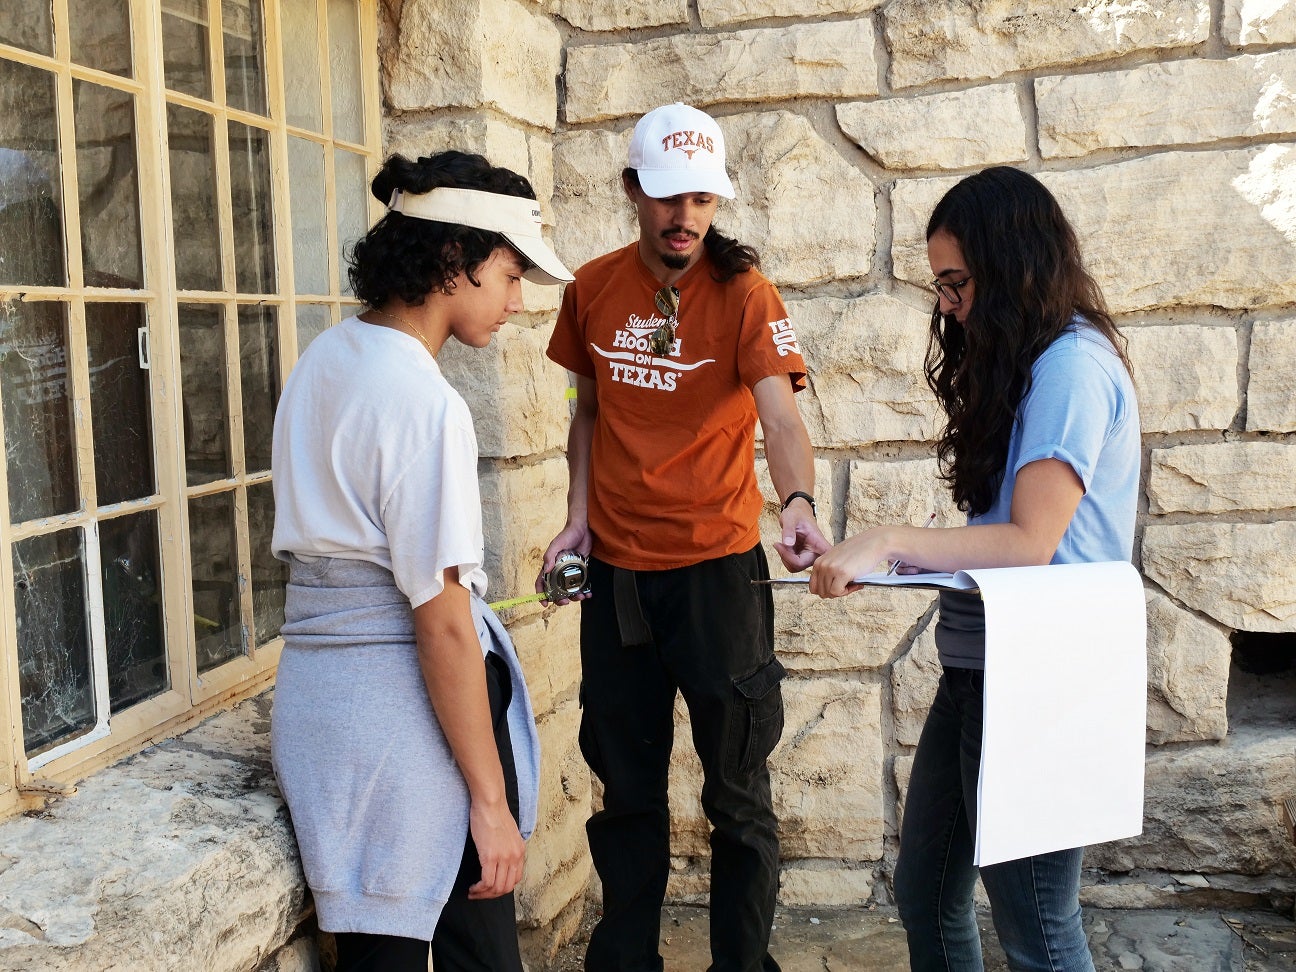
[(375, 459)]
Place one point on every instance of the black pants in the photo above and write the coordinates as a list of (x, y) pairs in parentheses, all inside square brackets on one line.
[(471, 936), (707, 632)]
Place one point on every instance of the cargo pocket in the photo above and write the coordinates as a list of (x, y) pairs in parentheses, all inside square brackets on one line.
[(757, 719)]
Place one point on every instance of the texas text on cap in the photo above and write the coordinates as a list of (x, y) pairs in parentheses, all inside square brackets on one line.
[(516, 218), (677, 149)]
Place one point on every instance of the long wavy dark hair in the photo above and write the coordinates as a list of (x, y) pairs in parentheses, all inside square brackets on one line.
[(1030, 283), (408, 257), (728, 256)]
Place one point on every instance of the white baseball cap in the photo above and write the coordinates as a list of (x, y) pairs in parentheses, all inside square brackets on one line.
[(677, 149), (516, 218)]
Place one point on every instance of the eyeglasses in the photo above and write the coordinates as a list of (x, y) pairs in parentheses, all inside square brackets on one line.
[(950, 291), (663, 339)]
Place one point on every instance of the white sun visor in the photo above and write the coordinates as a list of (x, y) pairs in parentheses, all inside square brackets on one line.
[(516, 218)]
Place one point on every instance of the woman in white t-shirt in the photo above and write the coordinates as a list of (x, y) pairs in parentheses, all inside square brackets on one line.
[(402, 734)]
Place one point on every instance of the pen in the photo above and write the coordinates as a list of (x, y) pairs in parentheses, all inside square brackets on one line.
[(930, 520)]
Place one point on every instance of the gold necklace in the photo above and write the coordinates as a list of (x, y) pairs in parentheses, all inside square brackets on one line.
[(412, 329)]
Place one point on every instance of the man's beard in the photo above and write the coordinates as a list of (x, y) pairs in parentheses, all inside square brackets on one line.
[(675, 261)]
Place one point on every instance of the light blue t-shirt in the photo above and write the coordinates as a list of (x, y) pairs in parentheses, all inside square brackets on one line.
[(1080, 409)]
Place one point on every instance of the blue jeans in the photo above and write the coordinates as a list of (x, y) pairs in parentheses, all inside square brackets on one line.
[(1034, 901)]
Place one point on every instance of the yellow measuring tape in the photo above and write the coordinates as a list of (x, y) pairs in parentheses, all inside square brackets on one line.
[(514, 602)]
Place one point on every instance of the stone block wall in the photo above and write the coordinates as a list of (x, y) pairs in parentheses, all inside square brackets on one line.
[(1167, 128)]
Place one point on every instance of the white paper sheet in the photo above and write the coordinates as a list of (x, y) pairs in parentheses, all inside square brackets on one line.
[(1065, 708)]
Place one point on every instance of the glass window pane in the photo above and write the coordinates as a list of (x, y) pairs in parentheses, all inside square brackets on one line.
[(31, 208), (101, 34), (27, 24), (352, 207), (193, 199), (54, 670), (269, 574), (259, 358), (217, 625), (309, 227), (312, 321), (108, 186), (132, 589), (344, 70), (300, 29), (37, 409), (119, 403), (254, 257), (245, 82), (202, 379), (184, 47)]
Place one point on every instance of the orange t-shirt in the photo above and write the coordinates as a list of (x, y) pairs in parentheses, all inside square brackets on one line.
[(672, 466)]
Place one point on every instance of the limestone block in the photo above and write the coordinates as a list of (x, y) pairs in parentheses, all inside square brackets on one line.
[(1243, 201), (913, 685), (826, 773), (723, 13), (188, 840), (1168, 103), (301, 955), (1223, 477), (932, 40), (1188, 671), (865, 358), (1185, 376), (809, 60), (557, 862), (1248, 22), (932, 131), (547, 639), (782, 170), (1238, 573), (824, 884), (905, 492), (497, 54), (599, 15), (523, 509), (912, 202), (517, 396), (902, 766), (1271, 389), (856, 633), (1212, 809)]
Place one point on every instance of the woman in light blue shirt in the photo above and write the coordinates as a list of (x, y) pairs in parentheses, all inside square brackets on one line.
[(1041, 449)]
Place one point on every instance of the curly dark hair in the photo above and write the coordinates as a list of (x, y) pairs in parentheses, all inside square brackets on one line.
[(728, 255), (407, 257), (1025, 260)]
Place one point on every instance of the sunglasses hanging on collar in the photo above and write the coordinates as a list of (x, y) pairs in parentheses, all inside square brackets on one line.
[(663, 339)]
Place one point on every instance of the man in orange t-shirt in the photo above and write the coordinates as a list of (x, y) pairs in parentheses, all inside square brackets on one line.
[(678, 344)]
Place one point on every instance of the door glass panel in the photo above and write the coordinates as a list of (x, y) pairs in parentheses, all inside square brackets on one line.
[(193, 199), (101, 34), (217, 626), (309, 227), (300, 31), (254, 257), (27, 24), (54, 670), (119, 403), (344, 70), (312, 321), (245, 76), (259, 359), (184, 47), (37, 409), (137, 665), (269, 574), (109, 189), (352, 207), (202, 379), (31, 208)]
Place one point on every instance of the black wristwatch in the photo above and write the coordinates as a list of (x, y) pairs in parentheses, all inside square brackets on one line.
[(800, 495)]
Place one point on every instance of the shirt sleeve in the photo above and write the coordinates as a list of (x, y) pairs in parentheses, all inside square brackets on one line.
[(768, 342), (1069, 412), (432, 515), (567, 345)]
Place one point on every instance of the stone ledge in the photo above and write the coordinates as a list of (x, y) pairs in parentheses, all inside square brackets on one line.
[(180, 858)]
